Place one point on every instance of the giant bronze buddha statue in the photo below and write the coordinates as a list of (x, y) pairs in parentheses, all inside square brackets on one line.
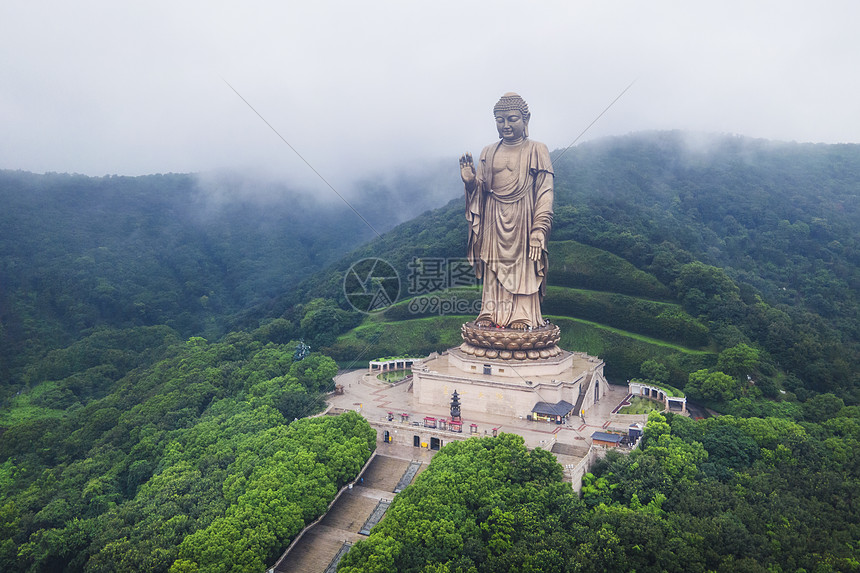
[(509, 194)]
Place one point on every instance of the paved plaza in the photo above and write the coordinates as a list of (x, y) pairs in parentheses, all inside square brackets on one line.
[(374, 399)]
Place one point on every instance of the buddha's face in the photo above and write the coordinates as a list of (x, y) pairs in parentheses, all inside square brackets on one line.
[(510, 125)]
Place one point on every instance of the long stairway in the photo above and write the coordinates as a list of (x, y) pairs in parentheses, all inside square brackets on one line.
[(351, 518)]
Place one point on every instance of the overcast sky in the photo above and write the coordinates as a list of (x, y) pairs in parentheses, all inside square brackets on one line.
[(360, 87)]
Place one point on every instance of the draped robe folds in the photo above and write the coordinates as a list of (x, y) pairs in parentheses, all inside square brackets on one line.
[(502, 214)]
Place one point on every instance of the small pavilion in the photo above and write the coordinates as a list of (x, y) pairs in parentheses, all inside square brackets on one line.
[(667, 395), (390, 364)]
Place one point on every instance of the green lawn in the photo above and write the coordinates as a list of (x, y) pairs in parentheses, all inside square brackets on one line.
[(640, 405), (404, 334), (628, 334), (395, 376)]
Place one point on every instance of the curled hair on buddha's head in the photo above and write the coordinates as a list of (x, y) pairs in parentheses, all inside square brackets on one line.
[(513, 102)]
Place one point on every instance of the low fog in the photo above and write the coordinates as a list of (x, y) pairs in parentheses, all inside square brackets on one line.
[(385, 200), (367, 91)]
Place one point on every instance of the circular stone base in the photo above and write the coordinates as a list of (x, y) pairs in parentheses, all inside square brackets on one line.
[(508, 343)]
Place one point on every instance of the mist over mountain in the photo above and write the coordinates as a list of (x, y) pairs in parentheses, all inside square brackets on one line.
[(744, 204), (771, 229), (185, 250), (210, 252)]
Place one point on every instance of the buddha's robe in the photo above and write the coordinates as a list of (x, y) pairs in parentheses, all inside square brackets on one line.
[(512, 197)]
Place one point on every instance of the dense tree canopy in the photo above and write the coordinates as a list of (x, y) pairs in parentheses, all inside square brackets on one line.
[(757, 241), (723, 494), (155, 409), (483, 501), (172, 463), (195, 252)]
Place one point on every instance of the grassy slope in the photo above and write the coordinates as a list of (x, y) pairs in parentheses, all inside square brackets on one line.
[(619, 315), (566, 320), (575, 264), (623, 351), (604, 306)]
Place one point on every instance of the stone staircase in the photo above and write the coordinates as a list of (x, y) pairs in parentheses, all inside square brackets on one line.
[(351, 517)]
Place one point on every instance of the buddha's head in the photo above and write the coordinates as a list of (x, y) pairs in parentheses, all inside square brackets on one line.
[(512, 117)]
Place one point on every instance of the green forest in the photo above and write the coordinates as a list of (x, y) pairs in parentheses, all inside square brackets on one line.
[(156, 413), (722, 494), (748, 242), (197, 253), (167, 454)]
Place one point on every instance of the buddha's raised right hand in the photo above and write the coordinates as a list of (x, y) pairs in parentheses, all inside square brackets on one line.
[(467, 171)]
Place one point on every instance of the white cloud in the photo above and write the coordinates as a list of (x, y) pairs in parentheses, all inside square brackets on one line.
[(131, 88)]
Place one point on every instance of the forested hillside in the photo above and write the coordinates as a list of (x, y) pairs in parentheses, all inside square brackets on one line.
[(723, 494), (759, 239), (138, 452), (155, 395), (193, 252), (756, 240)]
